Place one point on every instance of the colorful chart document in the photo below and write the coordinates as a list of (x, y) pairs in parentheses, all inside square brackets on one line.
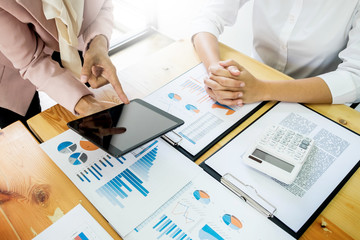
[(77, 224), (335, 154), (120, 187), (205, 119), (206, 210)]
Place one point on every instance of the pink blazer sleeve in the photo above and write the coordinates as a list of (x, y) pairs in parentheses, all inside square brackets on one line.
[(102, 24), (22, 46)]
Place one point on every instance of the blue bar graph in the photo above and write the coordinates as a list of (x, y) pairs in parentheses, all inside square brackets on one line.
[(95, 169), (93, 174), (107, 161), (146, 148), (166, 227), (85, 177), (80, 177), (128, 180), (117, 188), (97, 166), (102, 163), (121, 159), (143, 165)]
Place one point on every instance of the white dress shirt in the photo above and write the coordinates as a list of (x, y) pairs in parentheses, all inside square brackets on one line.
[(302, 38)]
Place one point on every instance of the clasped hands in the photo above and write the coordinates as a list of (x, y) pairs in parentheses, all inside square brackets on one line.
[(231, 84)]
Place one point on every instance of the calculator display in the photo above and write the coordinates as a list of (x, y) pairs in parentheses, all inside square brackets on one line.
[(261, 155), (279, 152)]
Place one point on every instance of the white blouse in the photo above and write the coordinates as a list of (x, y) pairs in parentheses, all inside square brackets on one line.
[(302, 38)]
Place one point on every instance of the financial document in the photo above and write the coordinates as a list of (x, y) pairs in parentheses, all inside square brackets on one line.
[(205, 119), (77, 224), (205, 209), (120, 187), (335, 153)]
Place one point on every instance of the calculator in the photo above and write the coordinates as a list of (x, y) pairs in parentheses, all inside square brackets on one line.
[(280, 153)]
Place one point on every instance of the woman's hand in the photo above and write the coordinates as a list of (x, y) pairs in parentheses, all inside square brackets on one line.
[(98, 69), (231, 84), (88, 105)]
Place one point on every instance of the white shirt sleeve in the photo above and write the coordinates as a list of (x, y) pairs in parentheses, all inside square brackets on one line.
[(344, 82), (215, 15)]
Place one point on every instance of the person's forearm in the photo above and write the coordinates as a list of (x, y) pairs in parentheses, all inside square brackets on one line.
[(207, 48), (309, 90), (99, 42)]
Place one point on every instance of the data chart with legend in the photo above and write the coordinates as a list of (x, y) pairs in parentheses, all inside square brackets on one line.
[(205, 119), (151, 174), (205, 210)]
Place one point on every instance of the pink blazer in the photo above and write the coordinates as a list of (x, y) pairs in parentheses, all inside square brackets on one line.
[(27, 41)]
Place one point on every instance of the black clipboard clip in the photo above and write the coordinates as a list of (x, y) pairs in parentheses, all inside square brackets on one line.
[(256, 200)]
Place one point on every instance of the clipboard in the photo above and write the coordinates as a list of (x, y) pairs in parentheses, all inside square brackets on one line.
[(206, 121), (254, 195)]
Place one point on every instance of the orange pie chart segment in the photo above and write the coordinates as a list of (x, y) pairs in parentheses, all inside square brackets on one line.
[(86, 145), (232, 221)]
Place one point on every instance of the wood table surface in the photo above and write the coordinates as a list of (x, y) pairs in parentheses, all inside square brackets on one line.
[(34, 192), (339, 220)]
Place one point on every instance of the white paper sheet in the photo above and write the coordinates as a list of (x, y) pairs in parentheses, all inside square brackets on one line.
[(205, 209), (335, 153), (77, 224), (205, 119), (120, 188), (357, 108)]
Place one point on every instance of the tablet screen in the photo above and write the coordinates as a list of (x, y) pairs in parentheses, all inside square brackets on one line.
[(125, 127)]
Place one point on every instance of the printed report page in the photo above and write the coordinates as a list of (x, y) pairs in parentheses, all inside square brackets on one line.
[(334, 155)]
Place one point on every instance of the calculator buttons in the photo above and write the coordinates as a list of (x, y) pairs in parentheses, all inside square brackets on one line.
[(281, 152), (284, 141)]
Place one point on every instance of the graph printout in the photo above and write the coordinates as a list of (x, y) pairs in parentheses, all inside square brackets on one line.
[(125, 190), (205, 119), (77, 224), (205, 210), (335, 153)]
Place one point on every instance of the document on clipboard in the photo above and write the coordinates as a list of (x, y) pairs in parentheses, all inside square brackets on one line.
[(155, 192), (206, 121), (332, 161), (204, 209)]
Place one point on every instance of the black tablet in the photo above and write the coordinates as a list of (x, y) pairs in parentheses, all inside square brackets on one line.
[(125, 127)]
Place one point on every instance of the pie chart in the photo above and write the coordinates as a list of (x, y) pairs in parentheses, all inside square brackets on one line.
[(192, 108), (78, 158), (67, 147), (202, 196), (86, 145), (174, 97), (232, 221)]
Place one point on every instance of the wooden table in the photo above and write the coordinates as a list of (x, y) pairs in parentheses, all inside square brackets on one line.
[(34, 192), (339, 220)]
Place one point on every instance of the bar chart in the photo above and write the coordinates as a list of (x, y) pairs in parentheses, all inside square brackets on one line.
[(147, 176), (93, 171), (131, 178), (195, 87), (168, 228), (143, 165)]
